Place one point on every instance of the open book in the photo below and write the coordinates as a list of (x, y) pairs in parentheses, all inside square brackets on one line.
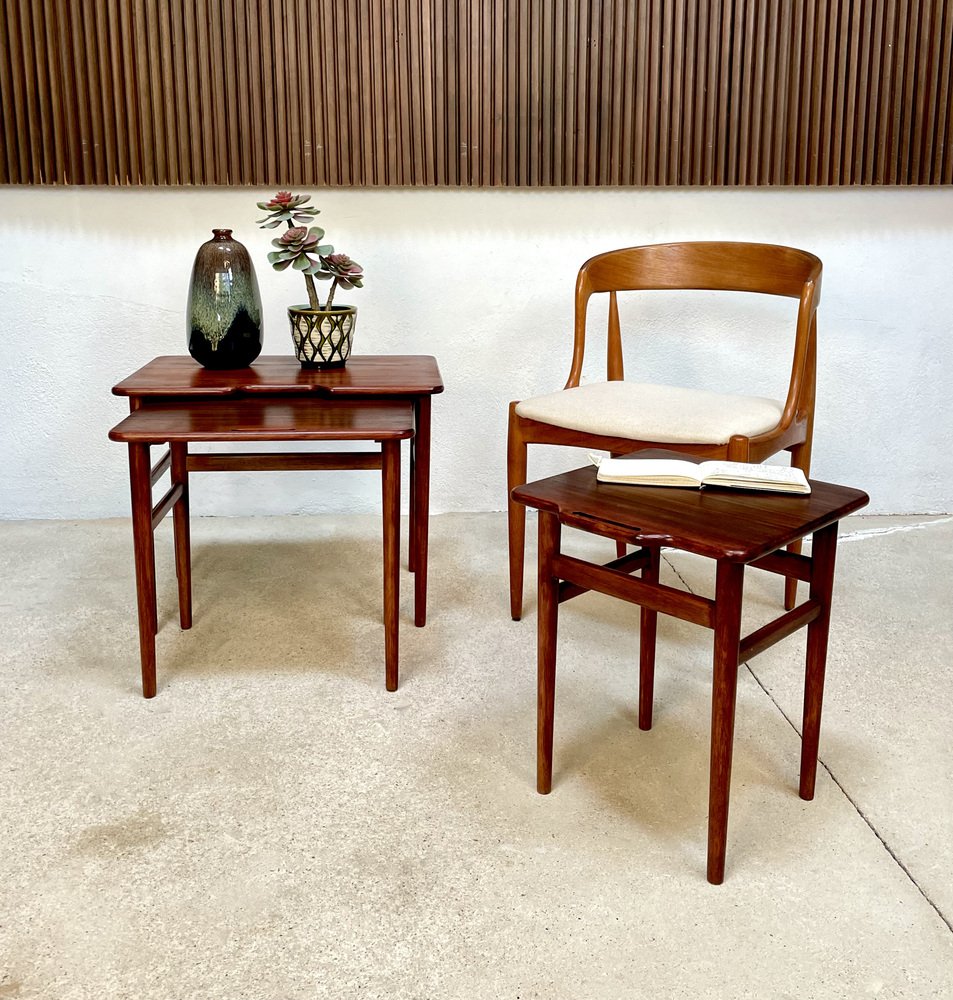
[(673, 472)]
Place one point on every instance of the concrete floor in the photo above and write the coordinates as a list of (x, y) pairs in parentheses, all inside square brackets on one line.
[(275, 825)]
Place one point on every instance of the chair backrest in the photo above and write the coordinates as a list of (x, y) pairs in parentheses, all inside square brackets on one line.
[(735, 267)]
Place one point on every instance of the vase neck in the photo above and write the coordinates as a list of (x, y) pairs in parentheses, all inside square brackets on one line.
[(221, 235)]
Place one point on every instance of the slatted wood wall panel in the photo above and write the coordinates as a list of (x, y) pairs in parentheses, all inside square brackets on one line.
[(476, 92)]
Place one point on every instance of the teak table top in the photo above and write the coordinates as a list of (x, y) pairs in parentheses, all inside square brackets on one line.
[(720, 523), (364, 375), (280, 419)]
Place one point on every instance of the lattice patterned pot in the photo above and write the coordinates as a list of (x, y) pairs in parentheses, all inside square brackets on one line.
[(322, 337)]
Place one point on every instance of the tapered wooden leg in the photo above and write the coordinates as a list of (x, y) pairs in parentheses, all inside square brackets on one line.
[(516, 512), (412, 542), (547, 598), (647, 634), (390, 479), (420, 490), (728, 589), (800, 459), (620, 547), (140, 481), (823, 554), (183, 543), (790, 584)]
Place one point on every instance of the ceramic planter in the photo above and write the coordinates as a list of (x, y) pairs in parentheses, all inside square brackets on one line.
[(322, 337)]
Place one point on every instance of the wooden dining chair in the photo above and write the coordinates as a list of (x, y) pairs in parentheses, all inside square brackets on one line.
[(619, 416)]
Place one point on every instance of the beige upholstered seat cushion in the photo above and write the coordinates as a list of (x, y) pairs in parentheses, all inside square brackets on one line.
[(654, 412)]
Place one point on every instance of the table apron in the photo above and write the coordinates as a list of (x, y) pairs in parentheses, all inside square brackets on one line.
[(283, 461)]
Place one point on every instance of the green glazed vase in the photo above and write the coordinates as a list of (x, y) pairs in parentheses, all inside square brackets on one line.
[(223, 321)]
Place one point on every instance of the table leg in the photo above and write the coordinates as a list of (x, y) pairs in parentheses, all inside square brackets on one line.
[(420, 485), (140, 481), (412, 542), (647, 633), (620, 547), (547, 613), (823, 553), (728, 590), (183, 542), (390, 480)]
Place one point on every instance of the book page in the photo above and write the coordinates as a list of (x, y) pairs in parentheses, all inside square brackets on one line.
[(659, 471), (748, 472)]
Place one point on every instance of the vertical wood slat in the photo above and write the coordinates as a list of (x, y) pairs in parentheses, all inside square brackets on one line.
[(477, 92), (33, 139), (9, 167), (632, 62), (43, 98), (331, 153), (167, 89), (112, 98), (943, 148), (147, 74), (570, 90), (858, 132)]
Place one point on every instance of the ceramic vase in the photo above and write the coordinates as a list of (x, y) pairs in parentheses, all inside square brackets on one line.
[(322, 337), (223, 320)]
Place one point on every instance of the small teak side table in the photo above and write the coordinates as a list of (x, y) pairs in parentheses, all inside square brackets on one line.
[(172, 400), (734, 528)]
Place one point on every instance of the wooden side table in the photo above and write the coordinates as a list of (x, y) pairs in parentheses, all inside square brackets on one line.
[(736, 529), (373, 399), (413, 378)]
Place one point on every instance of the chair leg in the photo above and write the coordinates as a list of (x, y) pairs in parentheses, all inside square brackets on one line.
[(516, 512), (739, 449), (800, 459)]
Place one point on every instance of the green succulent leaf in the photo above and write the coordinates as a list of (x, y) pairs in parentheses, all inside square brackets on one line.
[(299, 244)]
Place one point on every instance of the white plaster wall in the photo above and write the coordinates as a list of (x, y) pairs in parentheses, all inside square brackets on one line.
[(93, 285)]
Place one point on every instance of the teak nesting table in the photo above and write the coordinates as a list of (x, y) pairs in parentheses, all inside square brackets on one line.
[(736, 529), (381, 399)]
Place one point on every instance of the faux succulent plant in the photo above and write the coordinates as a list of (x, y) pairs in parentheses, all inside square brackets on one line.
[(300, 247)]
